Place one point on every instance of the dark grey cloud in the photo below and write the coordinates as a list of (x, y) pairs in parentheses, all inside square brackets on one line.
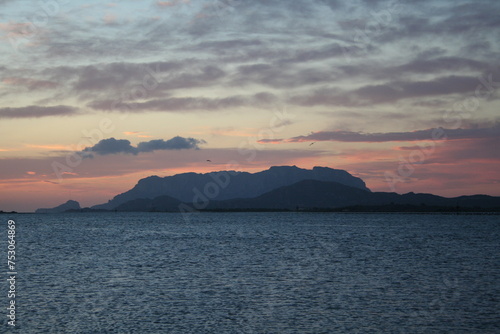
[(129, 79), (398, 90), (437, 65), (282, 71), (112, 146), (423, 64), (174, 104), (428, 134), (334, 50), (194, 76), (38, 111), (473, 17), (388, 92), (116, 146), (176, 143), (270, 141), (109, 77), (443, 19), (95, 78), (432, 52), (190, 103), (480, 47), (222, 46), (30, 84), (333, 4), (400, 79), (118, 75), (281, 76)]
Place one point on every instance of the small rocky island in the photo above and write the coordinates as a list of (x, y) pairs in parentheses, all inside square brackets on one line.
[(69, 205)]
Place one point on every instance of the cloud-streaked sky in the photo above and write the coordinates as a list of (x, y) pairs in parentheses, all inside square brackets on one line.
[(95, 95)]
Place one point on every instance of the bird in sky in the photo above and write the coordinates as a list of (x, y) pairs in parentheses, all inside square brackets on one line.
[(209, 160), (311, 144)]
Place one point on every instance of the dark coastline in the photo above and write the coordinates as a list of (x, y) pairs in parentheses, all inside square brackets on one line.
[(384, 209)]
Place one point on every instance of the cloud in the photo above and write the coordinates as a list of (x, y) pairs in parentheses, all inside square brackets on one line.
[(116, 146), (138, 134), (388, 92), (419, 135), (109, 19), (176, 143), (112, 76), (128, 79), (281, 75), (423, 64), (221, 47), (270, 141), (483, 150), (395, 91), (178, 74), (193, 76), (38, 111), (440, 64), (30, 84), (163, 4), (112, 146), (334, 50), (261, 99)]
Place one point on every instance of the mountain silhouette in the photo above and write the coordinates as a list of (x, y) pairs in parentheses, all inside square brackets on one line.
[(303, 194), (224, 185), (312, 194)]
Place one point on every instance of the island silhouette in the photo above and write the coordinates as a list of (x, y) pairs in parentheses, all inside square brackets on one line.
[(280, 188)]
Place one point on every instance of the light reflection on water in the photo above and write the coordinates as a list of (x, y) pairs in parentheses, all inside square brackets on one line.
[(258, 273)]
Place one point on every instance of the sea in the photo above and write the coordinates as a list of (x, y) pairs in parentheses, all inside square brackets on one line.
[(292, 272)]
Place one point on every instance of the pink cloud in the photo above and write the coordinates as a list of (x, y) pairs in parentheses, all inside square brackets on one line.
[(16, 28)]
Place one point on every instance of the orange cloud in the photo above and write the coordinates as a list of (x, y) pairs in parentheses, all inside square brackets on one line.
[(51, 147), (136, 134)]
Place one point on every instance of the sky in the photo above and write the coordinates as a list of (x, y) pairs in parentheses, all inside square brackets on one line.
[(95, 95)]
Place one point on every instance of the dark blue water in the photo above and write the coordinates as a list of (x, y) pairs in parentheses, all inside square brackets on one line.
[(256, 273)]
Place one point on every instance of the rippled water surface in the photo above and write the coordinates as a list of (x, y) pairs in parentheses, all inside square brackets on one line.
[(256, 273)]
